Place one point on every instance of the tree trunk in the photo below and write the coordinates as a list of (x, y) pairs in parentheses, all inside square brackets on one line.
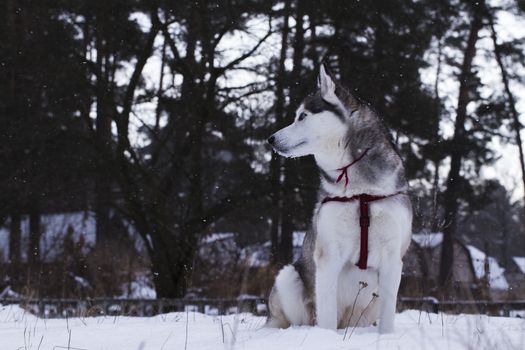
[(380, 37), (434, 223), (33, 253), (12, 111), (312, 18), (512, 103), (158, 109), (103, 133), (171, 256), (276, 162), (450, 198), (290, 167), (15, 235), (173, 253)]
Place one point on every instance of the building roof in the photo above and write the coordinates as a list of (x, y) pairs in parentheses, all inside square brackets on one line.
[(428, 240), (496, 276), (520, 262)]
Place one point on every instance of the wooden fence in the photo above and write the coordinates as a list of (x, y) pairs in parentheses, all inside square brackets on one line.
[(53, 308), (485, 307)]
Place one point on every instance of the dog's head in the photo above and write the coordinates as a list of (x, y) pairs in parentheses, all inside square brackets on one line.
[(320, 121)]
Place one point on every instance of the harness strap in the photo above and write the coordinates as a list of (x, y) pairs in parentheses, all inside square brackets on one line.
[(364, 219)]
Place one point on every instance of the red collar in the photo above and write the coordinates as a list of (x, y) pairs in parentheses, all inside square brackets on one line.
[(364, 219), (344, 169)]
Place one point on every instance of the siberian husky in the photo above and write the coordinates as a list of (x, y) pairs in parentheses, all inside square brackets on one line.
[(357, 162)]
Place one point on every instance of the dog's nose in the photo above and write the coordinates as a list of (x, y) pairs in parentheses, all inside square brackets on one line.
[(271, 140)]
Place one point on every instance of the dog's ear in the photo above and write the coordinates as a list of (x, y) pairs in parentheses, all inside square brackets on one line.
[(327, 85)]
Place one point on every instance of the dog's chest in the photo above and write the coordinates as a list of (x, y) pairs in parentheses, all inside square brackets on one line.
[(339, 233)]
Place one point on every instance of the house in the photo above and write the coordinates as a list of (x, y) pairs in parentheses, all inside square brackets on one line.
[(259, 255), (515, 274), (475, 275), (69, 262), (56, 228)]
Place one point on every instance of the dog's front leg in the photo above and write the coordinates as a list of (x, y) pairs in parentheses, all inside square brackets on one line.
[(327, 273), (389, 279)]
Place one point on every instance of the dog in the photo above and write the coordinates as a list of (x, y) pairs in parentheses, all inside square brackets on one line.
[(363, 216)]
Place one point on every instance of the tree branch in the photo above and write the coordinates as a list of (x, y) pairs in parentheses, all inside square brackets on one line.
[(178, 60), (224, 206), (221, 70), (137, 73)]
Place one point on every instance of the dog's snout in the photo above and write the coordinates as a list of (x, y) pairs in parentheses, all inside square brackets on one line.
[(271, 140)]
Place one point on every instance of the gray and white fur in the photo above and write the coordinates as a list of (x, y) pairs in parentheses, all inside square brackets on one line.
[(324, 287)]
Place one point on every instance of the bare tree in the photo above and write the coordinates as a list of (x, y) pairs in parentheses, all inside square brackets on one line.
[(169, 224), (451, 199)]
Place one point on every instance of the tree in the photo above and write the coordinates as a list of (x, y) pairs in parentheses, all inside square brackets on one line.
[(498, 53), (292, 168), (157, 112), (276, 163), (38, 124), (450, 200), (169, 186)]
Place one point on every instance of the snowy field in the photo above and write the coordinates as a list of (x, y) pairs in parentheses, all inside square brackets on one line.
[(193, 331)]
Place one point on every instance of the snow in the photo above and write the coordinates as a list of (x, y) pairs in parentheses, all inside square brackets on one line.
[(194, 331), (140, 288), (219, 236), (298, 238), (9, 293), (256, 257), (428, 240), (497, 278), (520, 261), (82, 281), (259, 255)]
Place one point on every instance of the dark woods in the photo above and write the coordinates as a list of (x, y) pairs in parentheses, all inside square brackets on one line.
[(150, 117)]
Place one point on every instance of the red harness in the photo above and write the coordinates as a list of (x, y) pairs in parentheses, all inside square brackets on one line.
[(364, 218)]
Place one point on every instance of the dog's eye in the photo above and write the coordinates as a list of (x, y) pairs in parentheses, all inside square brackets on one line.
[(301, 116)]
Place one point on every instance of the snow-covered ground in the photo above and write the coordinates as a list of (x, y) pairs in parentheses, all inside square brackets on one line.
[(193, 331)]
